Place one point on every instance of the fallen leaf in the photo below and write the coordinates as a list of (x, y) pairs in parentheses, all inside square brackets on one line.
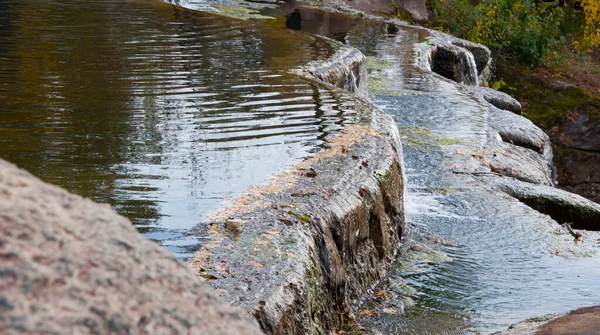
[(214, 229), (287, 222), (368, 313), (301, 217), (208, 276)]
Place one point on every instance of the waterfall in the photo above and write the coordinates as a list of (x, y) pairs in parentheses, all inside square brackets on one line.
[(347, 70), (451, 61), (469, 74)]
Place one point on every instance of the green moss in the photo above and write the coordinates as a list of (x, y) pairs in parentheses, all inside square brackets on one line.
[(544, 103), (421, 253), (380, 86), (243, 13), (447, 141), (424, 140), (376, 63)]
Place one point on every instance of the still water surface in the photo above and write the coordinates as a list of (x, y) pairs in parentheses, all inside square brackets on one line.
[(160, 111)]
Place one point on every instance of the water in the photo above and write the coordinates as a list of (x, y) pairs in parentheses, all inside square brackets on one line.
[(160, 111), (492, 261), (163, 112), (508, 262)]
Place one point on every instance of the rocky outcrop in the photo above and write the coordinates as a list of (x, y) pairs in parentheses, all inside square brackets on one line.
[(519, 131), (582, 321), (498, 99), (416, 9), (562, 206), (458, 60), (453, 63), (577, 171), (311, 242), (569, 115), (70, 265), (346, 69), (523, 152)]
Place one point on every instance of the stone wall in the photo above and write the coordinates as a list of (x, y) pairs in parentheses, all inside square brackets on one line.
[(302, 250)]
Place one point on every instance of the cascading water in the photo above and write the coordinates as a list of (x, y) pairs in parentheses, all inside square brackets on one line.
[(469, 69), (494, 247)]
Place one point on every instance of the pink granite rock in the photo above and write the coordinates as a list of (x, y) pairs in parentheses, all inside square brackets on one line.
[(69, 265)]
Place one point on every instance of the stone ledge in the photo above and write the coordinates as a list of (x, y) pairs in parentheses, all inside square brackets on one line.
[(316, 237), (302, 250), (346, 69)]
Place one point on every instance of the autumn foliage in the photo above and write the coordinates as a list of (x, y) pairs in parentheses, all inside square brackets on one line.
[(524, 29), (591, 31)]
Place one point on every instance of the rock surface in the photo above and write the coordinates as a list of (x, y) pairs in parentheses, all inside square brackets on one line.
[(498, 99), (519, 131), (582, 321), (455, 59), (577, 171), (569, 115), (562, 206), (316, 237), (70, 265), (346, 69), (416, 9)]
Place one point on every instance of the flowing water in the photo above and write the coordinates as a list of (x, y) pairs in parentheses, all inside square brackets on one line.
[(160, 111), (476, 261)]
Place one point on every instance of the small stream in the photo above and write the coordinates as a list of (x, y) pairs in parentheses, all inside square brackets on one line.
[(475, 261)]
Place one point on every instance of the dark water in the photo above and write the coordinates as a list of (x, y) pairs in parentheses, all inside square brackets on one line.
[(160, 111)]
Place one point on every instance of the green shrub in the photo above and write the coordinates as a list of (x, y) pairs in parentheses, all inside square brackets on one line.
[(524, 29)]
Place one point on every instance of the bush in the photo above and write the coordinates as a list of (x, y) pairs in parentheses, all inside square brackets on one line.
[(523, 28), (591, 32)]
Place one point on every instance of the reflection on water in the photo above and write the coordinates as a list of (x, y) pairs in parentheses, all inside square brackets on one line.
[(160, 111)]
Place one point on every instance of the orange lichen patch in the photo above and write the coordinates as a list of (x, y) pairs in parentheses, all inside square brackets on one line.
[(255, 197)]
